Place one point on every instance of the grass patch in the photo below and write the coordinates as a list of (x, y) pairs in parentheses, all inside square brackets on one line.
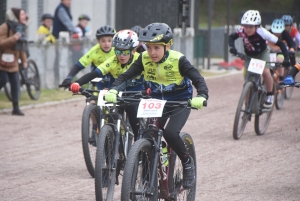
[(47, 95)]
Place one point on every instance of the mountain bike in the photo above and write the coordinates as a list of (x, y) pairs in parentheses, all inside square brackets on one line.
[(90, 125), (251, 102), (29, 77), (113, 143), (147, 176), (282, 93)]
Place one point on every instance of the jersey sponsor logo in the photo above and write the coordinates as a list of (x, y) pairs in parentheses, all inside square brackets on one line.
[(107, 65), (170, 74), (151, 71), (149, 63), (151, 77), (168, 67)]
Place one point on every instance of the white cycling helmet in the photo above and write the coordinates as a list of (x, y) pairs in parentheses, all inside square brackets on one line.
[(251, 17), (125, 39), (277, 26)]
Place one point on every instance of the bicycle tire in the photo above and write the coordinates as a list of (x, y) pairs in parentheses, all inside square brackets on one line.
[(105, 174), (139, 164), (238, 132), (260, 130), (34, 82), (279, 98), (288, 92), (175, 171), (91, 116)]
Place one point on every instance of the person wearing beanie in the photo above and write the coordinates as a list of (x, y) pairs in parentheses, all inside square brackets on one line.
[(13, 46), (44, 33)]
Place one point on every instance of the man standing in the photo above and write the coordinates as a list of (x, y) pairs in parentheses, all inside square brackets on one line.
[(63, 19)]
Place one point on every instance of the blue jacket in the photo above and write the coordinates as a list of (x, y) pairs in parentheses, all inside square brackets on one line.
[(58, 25)]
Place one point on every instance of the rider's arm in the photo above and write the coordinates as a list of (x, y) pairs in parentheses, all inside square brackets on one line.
[(135, 69), (283, 49), (188, 70), (88, 77), (231, 38), (286, 36)]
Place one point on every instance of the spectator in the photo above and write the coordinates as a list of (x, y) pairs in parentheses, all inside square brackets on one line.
[(81, 28), (63, 19), (13, 46), (44, 32)]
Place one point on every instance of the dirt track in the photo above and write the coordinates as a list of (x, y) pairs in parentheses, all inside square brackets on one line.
[(41, 155)]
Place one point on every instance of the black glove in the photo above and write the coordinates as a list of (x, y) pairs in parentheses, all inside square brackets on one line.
[(233, 50), (66, 83), (286, 63)]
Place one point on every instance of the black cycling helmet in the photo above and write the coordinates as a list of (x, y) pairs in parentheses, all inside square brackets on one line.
[(47, 16), (137, 29), (84, 17), (156, 33), (105, 31)]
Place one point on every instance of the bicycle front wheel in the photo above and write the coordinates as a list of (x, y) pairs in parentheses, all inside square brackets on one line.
[(33, 81), (241, 117), (279, 98), (90, 129), (138, 172), (105, 174), (288, 92), (262, 120), (175, 171)]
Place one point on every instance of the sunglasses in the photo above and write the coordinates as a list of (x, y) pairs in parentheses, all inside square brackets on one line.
[(124, 52)]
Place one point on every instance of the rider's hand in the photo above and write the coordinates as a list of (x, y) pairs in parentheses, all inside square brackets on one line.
[(111, 96), (197, 102), (75, 87), (233, 50), (288, 80), (66, 83), (286, 63)]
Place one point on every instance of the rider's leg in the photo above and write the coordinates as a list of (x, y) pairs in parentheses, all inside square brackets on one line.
[(269, 88), (177, 120), (131, 111), (280, 59)]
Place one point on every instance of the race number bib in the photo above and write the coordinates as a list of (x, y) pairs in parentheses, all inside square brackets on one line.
[(102, 102), (256, 66), (151, 108)]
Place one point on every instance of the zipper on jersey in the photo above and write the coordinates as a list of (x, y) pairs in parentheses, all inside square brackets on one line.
[(161, 87)]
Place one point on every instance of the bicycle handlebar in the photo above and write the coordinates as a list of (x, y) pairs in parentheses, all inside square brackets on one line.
[(245, 57)]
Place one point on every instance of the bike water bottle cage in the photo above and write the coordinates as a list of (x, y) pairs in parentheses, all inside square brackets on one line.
[(124, 52)]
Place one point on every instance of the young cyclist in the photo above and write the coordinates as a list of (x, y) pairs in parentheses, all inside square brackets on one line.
[(125, 43), (288, 21), (169, 75), (95, 56), (141, 47), (278, 29), (44, 31), (254, 39)]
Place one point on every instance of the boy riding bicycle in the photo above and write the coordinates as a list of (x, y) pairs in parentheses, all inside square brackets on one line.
[(254, 39), (168, 74), (125, 43), (277, 28), (95, 56)]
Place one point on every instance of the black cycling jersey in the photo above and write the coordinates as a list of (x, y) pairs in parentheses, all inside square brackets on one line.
[(285, 36)]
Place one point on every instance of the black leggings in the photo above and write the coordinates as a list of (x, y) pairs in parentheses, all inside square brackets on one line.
[(13, 78), (176, 122)]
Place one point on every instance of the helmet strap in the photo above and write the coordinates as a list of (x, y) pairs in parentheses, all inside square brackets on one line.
[(128, 62)]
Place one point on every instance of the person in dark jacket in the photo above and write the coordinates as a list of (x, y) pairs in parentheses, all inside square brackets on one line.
[(63, 19), (13, 46)]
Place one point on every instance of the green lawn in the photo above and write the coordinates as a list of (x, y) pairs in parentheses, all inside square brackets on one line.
[(47, 95)]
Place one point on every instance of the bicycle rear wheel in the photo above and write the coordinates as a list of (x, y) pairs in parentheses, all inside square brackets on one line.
[(262, 120), (241, 117), (90, 129), (175, 172), (288, 92), (32, 80), (105, 174), (137, 173)]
